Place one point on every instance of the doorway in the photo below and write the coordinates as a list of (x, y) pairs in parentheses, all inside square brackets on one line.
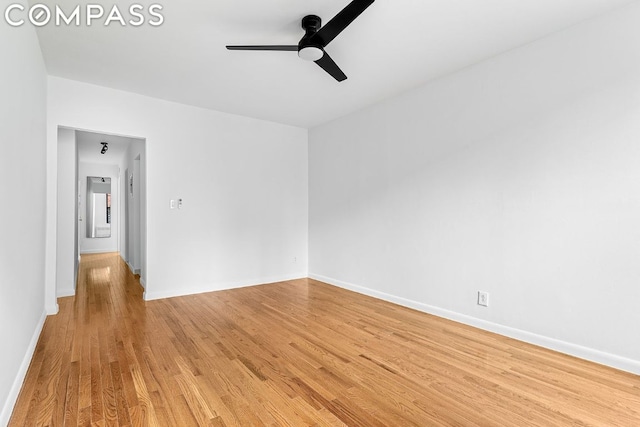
[(116, 222)]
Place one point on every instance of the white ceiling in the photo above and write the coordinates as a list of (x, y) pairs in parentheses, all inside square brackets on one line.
[(392, 47), (89, 147)]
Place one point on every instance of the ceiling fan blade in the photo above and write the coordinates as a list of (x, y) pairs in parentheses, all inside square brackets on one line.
[(327, 64), (339, 22), (288, 48)]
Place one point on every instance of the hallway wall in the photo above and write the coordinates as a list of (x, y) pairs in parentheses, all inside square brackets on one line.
[(66, 265), (133, 166)]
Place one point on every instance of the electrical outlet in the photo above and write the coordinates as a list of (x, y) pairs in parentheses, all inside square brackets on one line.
[(295, 260), (483, 298)]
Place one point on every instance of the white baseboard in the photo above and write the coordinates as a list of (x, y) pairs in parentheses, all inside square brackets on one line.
[(52, 308), (590, 354), (212, 287), (98, 251), (61, 293), (7, 409), (131, 267)]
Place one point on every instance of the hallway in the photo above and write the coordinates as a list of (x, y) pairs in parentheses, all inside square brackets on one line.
[(76, 375)]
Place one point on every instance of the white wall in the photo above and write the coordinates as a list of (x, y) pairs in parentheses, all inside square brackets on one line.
[(243, 182), (131, 246), (22, 202), (66, 262), (519, 176), (103, 244)]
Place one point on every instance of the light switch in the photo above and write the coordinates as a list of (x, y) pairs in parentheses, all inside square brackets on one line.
[(173, 204)]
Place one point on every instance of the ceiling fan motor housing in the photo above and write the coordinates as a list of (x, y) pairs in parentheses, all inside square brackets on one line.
[(311, 24), (307, 49)]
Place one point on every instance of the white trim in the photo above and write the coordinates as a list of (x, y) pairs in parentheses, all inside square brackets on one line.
[(576, 350), (98, 251), (7, 409), (212, 287), (61, 293), (143, 282), (52, 309), (131, 268)]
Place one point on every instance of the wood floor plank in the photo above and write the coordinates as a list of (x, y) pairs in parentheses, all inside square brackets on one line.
[(71, 400), (144, 413), (296, 353)]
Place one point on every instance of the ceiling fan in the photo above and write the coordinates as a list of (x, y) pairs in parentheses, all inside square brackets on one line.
[(317, 37)]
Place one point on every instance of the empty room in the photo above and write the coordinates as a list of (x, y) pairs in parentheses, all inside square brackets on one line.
[(320, 213)]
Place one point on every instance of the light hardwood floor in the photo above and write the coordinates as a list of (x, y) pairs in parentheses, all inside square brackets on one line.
[(295, 354)]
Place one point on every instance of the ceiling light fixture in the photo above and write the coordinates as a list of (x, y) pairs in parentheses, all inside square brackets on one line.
[(105, 147), (310, 53)]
